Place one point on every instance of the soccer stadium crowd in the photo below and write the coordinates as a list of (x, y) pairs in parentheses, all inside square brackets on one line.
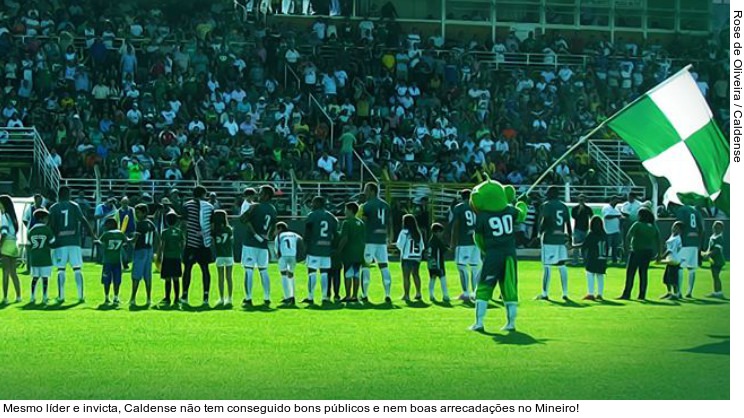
[(206, 93)]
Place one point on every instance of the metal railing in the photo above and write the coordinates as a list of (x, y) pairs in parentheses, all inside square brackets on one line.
[(620, 153), (609, 171), (24, 146)]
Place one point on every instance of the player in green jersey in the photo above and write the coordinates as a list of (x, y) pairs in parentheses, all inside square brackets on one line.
[(40, 240), (467, 255), (172, 243), (555, 231), (223, 238), (376, 215), (66, 219), (692, 240), (321, 228), (717, 259), (112, 243), (260, 221), (351, 247)]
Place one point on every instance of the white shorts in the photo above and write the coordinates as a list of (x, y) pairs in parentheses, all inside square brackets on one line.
[(315, 262), (287, 264), (689, 257), (375, 252), (71, 254), (467, 255), (553, 254), (41, 271), (224, 262), (255, 257)]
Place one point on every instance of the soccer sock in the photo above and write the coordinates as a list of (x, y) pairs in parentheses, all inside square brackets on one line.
[(690, 281), (248, 282), (432, 283), (546, 281), (590, 283), (285, 286), (680, 282), (291, 285), (445, 292), (475, 273), (79, 283), (61, 283), (600, 283), (386, 280), (481, 307), (563, 270), (312, 278), (266, 283), (34, 281), (511, 315), (324, 285), (365, 282), (463, 272), (168, 286), (175, 290)]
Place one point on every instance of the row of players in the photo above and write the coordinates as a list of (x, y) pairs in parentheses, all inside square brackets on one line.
[(360, 241)]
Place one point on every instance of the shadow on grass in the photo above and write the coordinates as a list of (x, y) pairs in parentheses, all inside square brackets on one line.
[(106, 307), (32, 307), (720, 347), (197, 308), (442, 304), (706, 301), (516, 338), (651, 302), (568, 303), (60, 307), (417, 304), (607, 302), (287, 307), (372, 306), (327, 306), (258, 308), (140, 308)]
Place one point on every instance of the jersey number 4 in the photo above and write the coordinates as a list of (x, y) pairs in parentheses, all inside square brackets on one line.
[(501, 225)]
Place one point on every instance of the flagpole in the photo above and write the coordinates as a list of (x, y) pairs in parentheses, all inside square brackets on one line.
[(584, 138), (568, 152)]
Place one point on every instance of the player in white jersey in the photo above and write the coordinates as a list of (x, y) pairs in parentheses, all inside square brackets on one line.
[(288, 246)]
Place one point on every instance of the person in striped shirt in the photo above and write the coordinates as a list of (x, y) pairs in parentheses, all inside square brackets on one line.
[(197, 218)]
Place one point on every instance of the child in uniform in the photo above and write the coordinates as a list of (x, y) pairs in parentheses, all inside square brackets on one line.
[(223, 238), (171, 251), (717, 259), (112, 246), (673, 254), (595, 250), (410, 243), (287, 245), (40, 238), (145, 236), (435, 258)]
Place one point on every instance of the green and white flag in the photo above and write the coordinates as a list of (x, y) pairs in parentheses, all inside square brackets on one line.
[(672, 131)]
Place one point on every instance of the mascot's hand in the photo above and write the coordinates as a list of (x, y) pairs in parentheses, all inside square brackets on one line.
[(522, 208), (510, 193)]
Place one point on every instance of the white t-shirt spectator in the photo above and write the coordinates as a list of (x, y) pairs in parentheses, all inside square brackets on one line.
[(502, 146), (486, 145), (292, 56), (630, 209), (196, 126), (320, 30), (231, 126), (341, 77), (311, 76), (612, 226), (134, 116), (365, 29), (326, 163), (329, 85)]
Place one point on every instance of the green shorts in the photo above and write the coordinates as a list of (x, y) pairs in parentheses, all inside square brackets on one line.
[(501, 269)]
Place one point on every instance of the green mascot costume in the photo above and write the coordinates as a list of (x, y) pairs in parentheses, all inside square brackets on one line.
[(496, 220)]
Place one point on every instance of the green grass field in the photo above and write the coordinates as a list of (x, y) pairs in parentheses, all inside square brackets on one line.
[(615, 350)]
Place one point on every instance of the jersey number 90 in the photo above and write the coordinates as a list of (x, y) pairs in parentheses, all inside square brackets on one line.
[(501, 225)]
